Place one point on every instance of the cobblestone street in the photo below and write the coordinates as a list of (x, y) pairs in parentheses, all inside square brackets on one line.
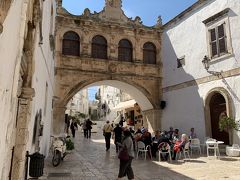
[(90, 161)]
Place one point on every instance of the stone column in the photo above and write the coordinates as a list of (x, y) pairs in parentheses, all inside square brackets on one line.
[(22, 134), (58, 120), (152, 119)]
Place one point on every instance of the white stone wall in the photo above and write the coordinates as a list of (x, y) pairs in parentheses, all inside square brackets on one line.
[(188, 37), (11, 43), (11, 47)]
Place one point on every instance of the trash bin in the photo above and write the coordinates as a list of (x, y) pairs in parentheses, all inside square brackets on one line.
[(36, 165)]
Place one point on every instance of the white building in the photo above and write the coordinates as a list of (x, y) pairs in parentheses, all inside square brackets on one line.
[(109, 98), (79, 103), (194, 96), (26, 82)]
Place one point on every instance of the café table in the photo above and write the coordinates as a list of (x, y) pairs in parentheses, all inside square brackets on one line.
[(214, 145)]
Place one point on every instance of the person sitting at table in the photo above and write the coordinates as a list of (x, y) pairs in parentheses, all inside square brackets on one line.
[(155, 141), (175, 136), (146, 138), (162, 144), (179, 145), (138, 135), (192, 135), (164, 138), (170, 133)]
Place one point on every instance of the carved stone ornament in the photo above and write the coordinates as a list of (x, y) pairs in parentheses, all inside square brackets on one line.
[(138, 20), (1, 28), (114, 3), (159, 21), (112, 68), (86, 12)]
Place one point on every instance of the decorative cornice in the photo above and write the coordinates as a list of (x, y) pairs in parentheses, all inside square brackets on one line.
[(106, 17), (195, 82), (216, 16)]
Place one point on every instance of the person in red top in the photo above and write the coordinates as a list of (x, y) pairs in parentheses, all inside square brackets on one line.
[(179, 145)]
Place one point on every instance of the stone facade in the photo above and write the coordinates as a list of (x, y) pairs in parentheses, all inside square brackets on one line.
[(26, 77), (76, 72)]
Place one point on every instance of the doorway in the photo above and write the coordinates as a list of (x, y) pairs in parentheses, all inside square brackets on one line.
[(217, 109)]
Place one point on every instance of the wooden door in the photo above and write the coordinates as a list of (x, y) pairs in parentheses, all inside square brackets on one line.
[(217, 108)]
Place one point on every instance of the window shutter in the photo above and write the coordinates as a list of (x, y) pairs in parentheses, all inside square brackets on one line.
[(213, 42), (99, 47), (71, 44), (221, 39)]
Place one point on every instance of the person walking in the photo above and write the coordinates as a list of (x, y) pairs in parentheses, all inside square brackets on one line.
[(107, 129), (89, 124), (117, 135), (73, 127), (84, 127), (125, 167)]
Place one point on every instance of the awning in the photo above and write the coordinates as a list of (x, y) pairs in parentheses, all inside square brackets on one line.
[(124, 105)]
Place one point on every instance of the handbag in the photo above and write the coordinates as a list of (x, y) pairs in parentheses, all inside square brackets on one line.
[(123, 154)]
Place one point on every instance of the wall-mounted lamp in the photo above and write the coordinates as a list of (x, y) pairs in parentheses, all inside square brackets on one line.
[(206, 64)]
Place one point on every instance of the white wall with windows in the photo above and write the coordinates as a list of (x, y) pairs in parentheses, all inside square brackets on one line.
[(209, 28), (43, 81)]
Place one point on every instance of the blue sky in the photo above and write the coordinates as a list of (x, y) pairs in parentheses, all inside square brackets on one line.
[(91, 92), (148, 10)]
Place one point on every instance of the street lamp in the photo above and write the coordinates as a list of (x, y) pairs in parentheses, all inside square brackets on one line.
[(205, 62)]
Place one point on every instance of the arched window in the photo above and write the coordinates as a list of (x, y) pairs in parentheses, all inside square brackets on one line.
[(149, 53), (125, 50), (71, 44), (99, 47)]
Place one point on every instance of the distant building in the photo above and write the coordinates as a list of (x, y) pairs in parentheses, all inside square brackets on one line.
[(79, 103)]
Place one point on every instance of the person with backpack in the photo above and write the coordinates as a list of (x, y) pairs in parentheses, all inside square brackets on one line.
[(107, 132)]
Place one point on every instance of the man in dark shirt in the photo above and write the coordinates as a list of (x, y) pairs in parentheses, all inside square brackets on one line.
[(117, 136)]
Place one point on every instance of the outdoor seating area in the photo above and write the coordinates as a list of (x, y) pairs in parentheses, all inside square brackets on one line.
[(169, 145)]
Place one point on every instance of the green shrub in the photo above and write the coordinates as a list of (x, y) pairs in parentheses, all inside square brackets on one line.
[(228, 123), (69, 144)]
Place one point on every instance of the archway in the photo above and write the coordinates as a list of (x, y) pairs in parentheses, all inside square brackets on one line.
[(217, 108), (140, 94), (217, 103)]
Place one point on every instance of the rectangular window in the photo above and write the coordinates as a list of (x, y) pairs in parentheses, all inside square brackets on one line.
[(218, 41), (218, 35)]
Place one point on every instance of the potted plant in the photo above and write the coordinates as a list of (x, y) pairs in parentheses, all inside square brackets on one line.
[(227, 124)]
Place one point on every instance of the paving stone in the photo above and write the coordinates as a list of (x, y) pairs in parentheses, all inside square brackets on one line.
[(90, 161)]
